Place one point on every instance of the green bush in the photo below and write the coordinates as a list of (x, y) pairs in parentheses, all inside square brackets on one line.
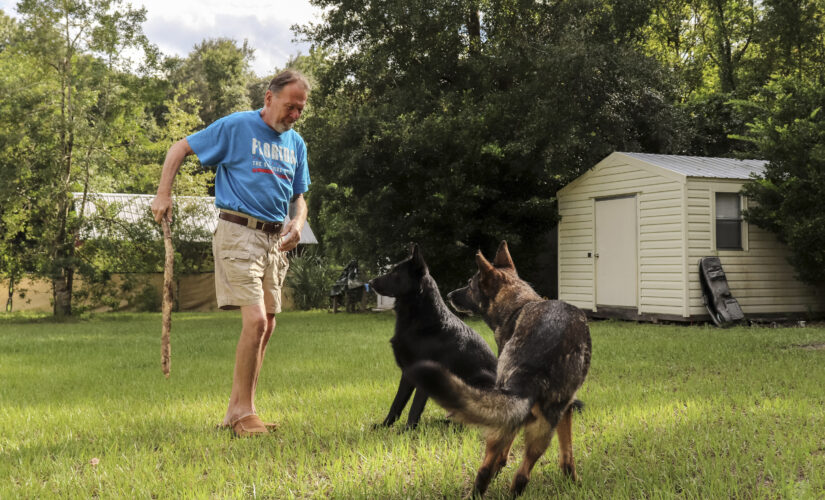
[(310, 277), (148, 299)]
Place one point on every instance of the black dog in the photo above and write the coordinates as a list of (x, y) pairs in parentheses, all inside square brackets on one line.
[(426, 330)]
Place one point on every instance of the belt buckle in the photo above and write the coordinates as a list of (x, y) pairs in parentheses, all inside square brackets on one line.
[(267, 227)]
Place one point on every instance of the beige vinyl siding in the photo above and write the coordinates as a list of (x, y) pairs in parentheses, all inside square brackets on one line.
[(759, 276), (575, 241), (661, 258), (699, 227), (660, 234)]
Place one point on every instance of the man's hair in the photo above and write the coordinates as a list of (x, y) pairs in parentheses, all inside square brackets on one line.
[(286, 77)]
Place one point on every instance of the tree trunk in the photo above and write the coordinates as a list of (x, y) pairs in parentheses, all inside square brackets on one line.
[(724, 52), (63, 256), (10, 300), (62, 292), (63, 252), (474, 31), (727, 75)]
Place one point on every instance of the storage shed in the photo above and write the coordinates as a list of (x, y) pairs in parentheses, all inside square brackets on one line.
[(634, 227)]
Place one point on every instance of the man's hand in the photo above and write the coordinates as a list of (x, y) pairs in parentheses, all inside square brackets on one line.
[(291, 233), (162, 204), (290, 236), (162, 207)]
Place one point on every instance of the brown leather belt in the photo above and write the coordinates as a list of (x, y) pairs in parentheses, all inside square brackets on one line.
[(267, 227)]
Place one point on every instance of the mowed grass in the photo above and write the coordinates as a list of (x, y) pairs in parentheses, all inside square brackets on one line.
[(671, 412)]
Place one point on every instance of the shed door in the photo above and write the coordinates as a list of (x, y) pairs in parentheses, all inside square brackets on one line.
[(616, 252)]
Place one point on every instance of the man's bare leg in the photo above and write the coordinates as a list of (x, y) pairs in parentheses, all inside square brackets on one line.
[(248, 355), (270, 326)]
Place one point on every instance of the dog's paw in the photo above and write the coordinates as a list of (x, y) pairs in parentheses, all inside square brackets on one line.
[(519, 484)]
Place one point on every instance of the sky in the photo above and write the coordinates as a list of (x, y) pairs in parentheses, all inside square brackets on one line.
[(175, 26)]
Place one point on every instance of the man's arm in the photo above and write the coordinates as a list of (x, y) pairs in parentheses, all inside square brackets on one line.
[(162, 204), (291, 233)]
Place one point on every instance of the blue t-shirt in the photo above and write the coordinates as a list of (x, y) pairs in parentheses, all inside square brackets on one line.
[(259, 169)]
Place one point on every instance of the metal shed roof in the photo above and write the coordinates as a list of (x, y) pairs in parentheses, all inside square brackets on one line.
[(700, 166), (134, 207)]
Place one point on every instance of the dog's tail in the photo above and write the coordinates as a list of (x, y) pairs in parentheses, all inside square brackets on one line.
[(487, 408)]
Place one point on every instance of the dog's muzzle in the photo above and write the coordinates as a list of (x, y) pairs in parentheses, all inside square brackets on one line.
[(451, 300)]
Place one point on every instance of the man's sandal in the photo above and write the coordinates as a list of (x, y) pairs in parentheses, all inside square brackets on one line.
[(250, 425), (270, 426)]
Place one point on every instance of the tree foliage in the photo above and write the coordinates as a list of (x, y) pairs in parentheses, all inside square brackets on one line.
[(215, 74), (453, 124), (75, 116), (18, 236), (723, 51), (790, 132)]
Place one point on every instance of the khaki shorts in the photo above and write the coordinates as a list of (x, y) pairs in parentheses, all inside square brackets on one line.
[(249, 268)]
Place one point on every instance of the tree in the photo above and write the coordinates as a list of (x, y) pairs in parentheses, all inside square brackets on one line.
[(711, 48), (136, 247), (20, 92), (727, 28), (82, 114), (216, 73), (792, 38), (790, 132), (672, 36), (453, 124)]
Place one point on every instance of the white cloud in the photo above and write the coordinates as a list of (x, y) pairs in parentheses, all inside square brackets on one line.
[(175, 26)]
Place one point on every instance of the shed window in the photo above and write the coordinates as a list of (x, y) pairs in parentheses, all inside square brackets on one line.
[(728, 221)]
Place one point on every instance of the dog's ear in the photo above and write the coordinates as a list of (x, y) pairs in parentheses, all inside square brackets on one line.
[(483, 264), (417, 257), (503, 259), (486, 273)]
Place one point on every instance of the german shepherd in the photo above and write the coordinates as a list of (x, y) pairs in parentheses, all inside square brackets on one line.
[(544, 355), (426, 330)]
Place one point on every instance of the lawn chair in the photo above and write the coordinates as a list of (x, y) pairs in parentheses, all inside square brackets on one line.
[(348, 289)]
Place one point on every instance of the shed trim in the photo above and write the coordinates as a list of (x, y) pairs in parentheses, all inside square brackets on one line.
[(685, 244), (619, 158)]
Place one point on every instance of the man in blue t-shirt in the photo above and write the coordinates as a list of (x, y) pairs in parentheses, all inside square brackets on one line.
[(261, 171)]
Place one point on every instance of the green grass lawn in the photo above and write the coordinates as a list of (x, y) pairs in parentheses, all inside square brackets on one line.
[(672, 412)]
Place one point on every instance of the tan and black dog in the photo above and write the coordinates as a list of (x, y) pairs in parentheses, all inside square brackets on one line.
[(544, 355)]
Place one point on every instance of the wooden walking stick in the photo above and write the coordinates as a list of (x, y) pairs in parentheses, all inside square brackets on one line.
[(165, 348)]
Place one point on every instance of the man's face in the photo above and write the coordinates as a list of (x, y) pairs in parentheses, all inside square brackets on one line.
[(283, 110)]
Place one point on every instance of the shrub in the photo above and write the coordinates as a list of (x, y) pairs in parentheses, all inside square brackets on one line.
[(148, 299), (310, 278)]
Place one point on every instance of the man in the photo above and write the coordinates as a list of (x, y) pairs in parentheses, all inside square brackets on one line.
[(261, 170)]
